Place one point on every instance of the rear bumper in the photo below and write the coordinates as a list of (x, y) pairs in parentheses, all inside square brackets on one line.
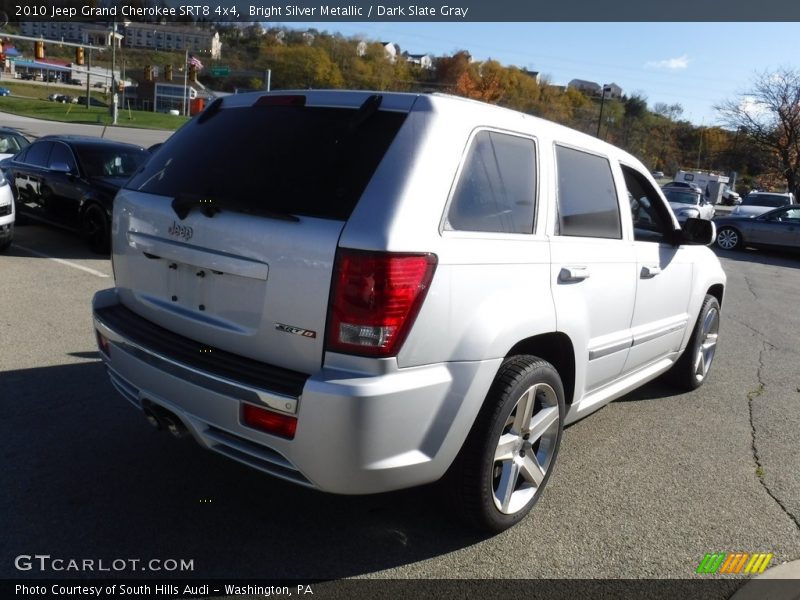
[(357, 432)]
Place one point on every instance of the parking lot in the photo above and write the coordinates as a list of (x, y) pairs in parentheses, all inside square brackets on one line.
[(644, 488)]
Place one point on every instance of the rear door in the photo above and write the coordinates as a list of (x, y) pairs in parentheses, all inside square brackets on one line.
[(780, 227), (229, 234), (29, 170)]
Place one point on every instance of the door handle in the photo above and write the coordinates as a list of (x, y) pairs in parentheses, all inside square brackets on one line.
[(573, 273), (649, 271)]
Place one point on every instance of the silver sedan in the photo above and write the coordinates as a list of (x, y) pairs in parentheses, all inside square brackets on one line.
[(779, 228)]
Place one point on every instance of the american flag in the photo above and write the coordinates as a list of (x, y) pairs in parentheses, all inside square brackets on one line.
[(195, 62)]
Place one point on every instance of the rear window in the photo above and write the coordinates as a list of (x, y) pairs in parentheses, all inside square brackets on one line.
[(280, 159)]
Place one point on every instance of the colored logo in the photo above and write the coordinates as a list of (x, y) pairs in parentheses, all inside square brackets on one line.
[(733, 563)]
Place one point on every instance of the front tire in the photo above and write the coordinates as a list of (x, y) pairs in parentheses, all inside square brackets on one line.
[(96, 229), (510, 453), (4, 244), (691, 369), (729, 238)]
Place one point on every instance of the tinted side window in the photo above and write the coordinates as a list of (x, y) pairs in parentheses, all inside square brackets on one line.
[(38, 154), (587, 198), (497, 188)]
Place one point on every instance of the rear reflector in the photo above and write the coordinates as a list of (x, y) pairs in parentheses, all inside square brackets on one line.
[(103, 343), (376, 297), (269, 422)]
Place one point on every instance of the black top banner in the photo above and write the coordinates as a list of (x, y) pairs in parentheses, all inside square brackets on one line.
[(411, 11)]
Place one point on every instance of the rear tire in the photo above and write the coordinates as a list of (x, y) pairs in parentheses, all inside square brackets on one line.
[(691, 369), (94, 225), (510, 452)]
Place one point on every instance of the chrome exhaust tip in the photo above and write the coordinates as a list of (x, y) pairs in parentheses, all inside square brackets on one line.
[(152, 418)]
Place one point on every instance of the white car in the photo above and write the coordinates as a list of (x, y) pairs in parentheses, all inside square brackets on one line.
[(360, 292), (757, 203), (11, 142), (688, 204), (6, 213)]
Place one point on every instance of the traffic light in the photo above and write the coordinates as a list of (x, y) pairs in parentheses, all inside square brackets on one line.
[(79, 55), (148, 73), (192, 73), (168, 72), (39, 50)]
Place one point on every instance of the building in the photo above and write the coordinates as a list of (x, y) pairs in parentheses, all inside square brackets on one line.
[(535, 75), (613, 91), (173, 37), (423, 61), (180, 38), (590, 88), (166, 94)]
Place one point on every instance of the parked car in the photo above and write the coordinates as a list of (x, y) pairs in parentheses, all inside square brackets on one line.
[(778, 228), (4, 91), (74, 82), (658, 174), (756, 203), (687, 203), (62, 98), (6, 213), (396, 289), (70, 181), (11, 142), (730, 198), (681, 185)]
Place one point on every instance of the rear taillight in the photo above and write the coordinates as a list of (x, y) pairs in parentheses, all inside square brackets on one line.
[(267, 421), (375, 298)]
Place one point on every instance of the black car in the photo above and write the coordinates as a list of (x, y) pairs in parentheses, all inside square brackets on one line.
[(71, 181)]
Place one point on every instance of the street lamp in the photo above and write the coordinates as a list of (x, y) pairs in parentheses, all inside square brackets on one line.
[(606, 88)]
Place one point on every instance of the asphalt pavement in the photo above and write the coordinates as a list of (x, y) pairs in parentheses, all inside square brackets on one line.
[(644, 488)]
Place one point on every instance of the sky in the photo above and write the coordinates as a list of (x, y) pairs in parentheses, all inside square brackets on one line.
[(696, 65)]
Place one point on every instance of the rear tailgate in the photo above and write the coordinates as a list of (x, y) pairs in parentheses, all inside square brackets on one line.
[(229, 234)]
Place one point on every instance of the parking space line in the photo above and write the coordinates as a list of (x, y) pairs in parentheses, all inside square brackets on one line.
[(63, 262)]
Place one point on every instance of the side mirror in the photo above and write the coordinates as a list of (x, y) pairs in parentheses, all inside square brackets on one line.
[(61, 167), (698, 232)]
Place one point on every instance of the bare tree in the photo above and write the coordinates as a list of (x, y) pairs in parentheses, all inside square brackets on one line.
[(769, 114)]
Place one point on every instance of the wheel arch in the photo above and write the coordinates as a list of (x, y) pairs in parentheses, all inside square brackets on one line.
[(718, 291), (557, 349)]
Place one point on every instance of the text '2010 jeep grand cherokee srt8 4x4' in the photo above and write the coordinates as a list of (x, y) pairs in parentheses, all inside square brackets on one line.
[(363, 292)]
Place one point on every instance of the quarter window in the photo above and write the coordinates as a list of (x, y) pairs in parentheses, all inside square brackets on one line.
[(496, 191), (38, 154), (587, 198)]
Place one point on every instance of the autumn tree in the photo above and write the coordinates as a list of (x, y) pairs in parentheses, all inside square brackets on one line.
[(769, 115)]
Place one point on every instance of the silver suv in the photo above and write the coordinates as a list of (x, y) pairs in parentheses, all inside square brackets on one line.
[(363, 292)]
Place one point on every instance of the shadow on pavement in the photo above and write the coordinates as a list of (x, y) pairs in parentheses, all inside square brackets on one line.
[(85, 476), (775, 258)]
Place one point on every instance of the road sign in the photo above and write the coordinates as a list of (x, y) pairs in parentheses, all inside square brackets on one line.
[(220, 71)]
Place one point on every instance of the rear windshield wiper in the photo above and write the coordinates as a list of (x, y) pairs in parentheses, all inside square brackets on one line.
[(183, 204)]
